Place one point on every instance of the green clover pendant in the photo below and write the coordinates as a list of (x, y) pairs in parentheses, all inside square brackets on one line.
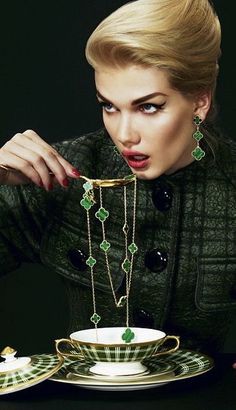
[(102, 214), (95, 318), (128, 335), (133, 248), (198, 135), (198, 153), (197, 120), (91, 262), (87, 203), (105, 245), (126, 265), (88, 186)]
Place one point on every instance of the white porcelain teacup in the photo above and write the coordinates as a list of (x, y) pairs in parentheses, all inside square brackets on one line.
[(116, 350)]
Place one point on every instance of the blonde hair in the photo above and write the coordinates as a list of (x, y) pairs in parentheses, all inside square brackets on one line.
[(181, 36)]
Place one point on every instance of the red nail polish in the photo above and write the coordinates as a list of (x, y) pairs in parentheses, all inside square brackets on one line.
[(65, 182), (75, 172), (50, 187)]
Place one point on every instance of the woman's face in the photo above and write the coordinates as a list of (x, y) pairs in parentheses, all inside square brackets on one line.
[(150, 123)]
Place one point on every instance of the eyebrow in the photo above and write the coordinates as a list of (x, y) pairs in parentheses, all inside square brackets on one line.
[(135, 102)]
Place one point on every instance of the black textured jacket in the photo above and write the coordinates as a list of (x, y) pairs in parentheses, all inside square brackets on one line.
[(185, 232)]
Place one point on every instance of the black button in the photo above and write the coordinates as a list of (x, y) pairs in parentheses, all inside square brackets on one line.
[(233, 292), (156, 260), (77, 259), (143, 318), (162, 196)]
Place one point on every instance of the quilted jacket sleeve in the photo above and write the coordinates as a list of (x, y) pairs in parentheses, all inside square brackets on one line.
[(24, 212)]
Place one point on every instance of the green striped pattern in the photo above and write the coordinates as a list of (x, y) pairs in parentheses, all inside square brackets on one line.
[(124, 353), (187, 364), (40, 368)]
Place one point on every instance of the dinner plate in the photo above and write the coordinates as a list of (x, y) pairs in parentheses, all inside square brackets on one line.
[(183, 364)]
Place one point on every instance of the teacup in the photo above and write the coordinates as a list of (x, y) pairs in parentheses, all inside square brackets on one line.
[(116, 351)]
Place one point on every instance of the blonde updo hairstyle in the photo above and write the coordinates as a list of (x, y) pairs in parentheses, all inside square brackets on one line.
[(180, 36)]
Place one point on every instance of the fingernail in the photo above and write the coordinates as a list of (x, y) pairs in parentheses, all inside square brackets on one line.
[(65, 182), (40, 184), (75, 172), (50, 186)]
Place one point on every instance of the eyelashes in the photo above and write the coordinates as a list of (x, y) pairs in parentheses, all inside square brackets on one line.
[(146, 108), (150, 108), (108, 107)]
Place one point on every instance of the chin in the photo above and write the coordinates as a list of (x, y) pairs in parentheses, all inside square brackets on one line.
[(148, 174)]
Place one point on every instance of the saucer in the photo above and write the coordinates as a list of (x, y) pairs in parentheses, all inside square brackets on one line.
[(83, 369), (186, 364)]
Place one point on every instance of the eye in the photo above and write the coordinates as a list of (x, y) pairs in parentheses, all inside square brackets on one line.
[(149, 108), (108, 107)]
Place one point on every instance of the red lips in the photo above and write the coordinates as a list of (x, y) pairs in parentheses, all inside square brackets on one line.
[(136, 159)]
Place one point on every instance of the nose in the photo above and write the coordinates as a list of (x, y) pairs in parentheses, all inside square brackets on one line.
[(127, 132)]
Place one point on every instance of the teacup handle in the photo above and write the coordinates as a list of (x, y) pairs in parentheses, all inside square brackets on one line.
[(172, 350), (73, 353)]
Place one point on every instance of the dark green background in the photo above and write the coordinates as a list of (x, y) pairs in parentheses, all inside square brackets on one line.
[(46, 85)]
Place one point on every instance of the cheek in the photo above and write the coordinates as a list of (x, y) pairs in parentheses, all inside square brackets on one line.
[(173, 127), (106, 121), (109, 124)]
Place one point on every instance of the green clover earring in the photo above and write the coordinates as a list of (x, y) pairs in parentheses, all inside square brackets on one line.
[(198, 152)]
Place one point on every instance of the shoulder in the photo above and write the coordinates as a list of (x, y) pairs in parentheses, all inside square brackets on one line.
[(222, 166), (226, 156)]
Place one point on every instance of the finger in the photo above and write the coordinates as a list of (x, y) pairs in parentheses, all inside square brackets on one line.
[(20, 165), (42, 156), (70, 170), (9, 176), (33, 136), (234, 366), (35, 161)]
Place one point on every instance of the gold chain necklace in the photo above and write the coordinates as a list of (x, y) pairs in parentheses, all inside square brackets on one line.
[(127, 265)]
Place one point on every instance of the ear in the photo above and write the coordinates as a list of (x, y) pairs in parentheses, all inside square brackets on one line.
[(203, 104)]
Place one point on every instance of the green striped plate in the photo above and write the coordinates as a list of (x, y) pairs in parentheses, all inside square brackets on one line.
[(187, 364)]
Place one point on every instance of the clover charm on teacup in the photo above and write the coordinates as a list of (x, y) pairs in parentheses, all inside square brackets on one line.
[(116, 351)]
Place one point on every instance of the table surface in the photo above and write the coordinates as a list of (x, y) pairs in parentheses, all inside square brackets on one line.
[(213, 390)]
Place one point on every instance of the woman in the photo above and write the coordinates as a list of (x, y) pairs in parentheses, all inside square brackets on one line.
[(157, 251)]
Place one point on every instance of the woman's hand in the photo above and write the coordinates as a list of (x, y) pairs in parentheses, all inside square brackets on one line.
[(234, 365), (31, 159)]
